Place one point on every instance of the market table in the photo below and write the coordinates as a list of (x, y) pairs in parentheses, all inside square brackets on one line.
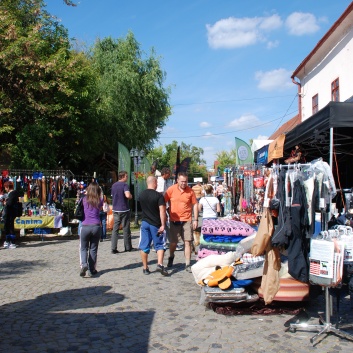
[(31, 222)]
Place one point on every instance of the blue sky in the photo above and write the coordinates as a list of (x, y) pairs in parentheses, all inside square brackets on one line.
[(228, 62)]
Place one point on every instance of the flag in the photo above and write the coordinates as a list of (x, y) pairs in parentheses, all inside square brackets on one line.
[(243, 152), (154, 167), (177, 164), (184, 165)]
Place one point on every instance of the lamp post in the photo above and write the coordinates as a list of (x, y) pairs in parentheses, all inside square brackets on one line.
[(137, 156)]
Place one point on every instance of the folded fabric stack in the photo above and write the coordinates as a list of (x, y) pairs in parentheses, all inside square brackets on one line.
[(222, 235), (249, 267), (231, 295), (205, 252)]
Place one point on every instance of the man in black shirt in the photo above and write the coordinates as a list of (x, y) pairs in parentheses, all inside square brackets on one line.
[(153, 225)]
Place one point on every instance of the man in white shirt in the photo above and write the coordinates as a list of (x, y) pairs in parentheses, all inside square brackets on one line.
[(163, 181)]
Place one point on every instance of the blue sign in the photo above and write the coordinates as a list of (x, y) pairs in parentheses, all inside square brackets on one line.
[(262, 155)]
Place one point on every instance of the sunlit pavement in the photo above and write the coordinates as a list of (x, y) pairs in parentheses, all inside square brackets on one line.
[(47, 307)]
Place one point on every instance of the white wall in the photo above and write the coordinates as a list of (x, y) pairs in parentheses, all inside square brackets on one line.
[(337, 64)]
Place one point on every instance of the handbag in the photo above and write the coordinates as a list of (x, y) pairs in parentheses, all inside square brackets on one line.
[(80, 211), (264, 233)]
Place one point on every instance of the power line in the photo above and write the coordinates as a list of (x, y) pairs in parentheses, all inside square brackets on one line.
[(224, 133), (279, 124), (231, 100)]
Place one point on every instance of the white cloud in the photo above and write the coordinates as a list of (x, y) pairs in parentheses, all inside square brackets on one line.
[(272, 44), (208, 148), (279, 79), (271, 23), (208, 135), (262, 137), (240, 32), (244, 121), (300, 23), (205, 124)]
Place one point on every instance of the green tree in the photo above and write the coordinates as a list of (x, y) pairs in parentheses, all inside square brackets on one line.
[(166, 156), (132, 101), (44, 89), (226, 159)]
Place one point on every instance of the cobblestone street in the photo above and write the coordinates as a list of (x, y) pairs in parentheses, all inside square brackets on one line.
[(47, 307)]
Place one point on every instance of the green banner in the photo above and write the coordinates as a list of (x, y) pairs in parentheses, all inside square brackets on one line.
[(124, 160), (243, 152)]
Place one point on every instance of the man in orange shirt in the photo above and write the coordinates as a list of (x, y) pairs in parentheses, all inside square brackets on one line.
[(183, 205)]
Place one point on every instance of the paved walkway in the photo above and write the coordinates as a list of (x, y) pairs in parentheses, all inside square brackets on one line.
[(45, 306)]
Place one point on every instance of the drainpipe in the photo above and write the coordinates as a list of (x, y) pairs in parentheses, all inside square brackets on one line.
[(299, 97)]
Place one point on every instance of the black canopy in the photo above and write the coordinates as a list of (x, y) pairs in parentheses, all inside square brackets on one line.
[(313, 135)]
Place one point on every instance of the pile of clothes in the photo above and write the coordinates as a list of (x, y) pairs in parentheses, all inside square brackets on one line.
[(219, 236)]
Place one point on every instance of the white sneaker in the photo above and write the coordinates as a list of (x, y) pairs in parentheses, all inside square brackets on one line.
[(12, 246), (6, 245), (179, 247)]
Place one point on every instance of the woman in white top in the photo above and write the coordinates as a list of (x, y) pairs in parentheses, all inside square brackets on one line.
[(209, 204)]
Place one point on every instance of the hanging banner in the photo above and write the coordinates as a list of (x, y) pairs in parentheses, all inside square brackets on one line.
[(262, 155), (243, 152), (176, 168), (38, 222), (275, 149), (184, 165), (124, 160)]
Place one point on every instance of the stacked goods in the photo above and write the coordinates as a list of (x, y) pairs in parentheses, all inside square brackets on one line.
[(222, 235)]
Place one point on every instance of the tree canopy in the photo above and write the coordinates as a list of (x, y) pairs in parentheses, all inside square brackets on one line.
[(60, 107), (44, 87), (132, 102), (166, 156), (226, 159)]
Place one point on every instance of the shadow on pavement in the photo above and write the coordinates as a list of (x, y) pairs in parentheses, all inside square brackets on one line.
[(16, 267), (55, 323)]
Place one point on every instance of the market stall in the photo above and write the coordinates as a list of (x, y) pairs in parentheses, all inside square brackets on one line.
[(273, 262)]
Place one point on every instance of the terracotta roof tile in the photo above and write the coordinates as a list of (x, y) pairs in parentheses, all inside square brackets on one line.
[(286, 127)]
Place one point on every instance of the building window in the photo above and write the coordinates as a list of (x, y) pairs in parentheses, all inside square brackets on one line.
[(315, 103), (335, 90)]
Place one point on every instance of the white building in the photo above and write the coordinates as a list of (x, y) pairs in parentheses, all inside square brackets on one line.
[(326, 73)]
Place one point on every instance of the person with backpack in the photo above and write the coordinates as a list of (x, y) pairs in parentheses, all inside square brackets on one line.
[(91, 229)]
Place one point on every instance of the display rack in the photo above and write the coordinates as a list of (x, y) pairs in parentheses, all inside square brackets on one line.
[(325, 325), (47, 173)]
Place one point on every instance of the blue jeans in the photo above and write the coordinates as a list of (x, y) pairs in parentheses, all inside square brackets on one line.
[(103, 219)]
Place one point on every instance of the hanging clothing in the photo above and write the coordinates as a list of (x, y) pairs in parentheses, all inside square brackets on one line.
[(298, 265), (280, 238)]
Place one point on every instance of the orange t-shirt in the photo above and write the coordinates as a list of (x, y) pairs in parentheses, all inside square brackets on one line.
[(181, 203), (197, 190)]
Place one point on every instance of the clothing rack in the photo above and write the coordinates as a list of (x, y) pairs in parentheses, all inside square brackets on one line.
[(294, 165), (50, 172), (325, 325)]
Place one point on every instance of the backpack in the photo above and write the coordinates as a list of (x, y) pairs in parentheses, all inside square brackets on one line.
[(19, 209), (79, 211)]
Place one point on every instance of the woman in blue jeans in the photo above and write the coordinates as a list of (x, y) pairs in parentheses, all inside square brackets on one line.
[(103, 217), (91, 229)]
